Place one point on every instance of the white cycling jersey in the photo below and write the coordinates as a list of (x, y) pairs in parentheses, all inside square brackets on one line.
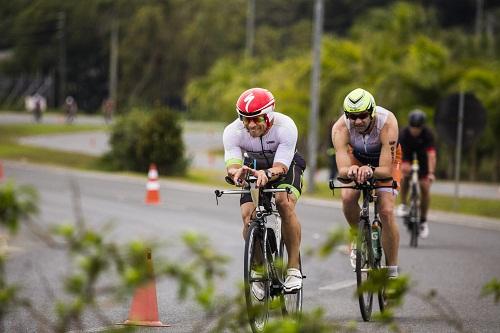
[(280, 140)]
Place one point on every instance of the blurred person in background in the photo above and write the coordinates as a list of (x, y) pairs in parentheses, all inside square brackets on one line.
[(108, 108), (417, 138), (70, 109), (36, 104)]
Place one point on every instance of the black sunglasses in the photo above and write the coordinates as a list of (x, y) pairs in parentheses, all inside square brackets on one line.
[(354, 116)]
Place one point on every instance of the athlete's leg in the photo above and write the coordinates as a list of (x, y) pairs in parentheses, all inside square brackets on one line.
[(247, 210), (350, 206), (425, 186), (390, 231), (291, 229), (405, 180)]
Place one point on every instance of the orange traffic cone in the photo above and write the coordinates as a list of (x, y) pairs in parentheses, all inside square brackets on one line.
[(144, 309), (153, 186)]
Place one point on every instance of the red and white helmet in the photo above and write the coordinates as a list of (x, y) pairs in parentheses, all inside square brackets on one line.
[(255, 102)]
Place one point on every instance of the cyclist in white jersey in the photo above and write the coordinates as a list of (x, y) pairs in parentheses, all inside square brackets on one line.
[(365, 140), (269, 139)]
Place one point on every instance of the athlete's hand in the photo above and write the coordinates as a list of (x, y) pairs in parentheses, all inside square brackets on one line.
[(352, 172), (240, 175), (364, 173), (431, 177), (261, 177)]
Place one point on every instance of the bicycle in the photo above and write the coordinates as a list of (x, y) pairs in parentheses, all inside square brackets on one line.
[(412, 220), (369, 252), (265, 258)]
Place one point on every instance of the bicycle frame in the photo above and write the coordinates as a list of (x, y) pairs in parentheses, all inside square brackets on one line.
[(368, 258), (258, 237), (262, 209)]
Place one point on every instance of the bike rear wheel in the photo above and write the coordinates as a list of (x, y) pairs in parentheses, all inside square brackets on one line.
[(257, 305), (364, 264), (291, 304)]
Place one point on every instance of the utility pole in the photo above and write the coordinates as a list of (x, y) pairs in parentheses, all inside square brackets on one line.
[(250, 28), (458, 147), (61, 34), (113, 62), (479, 21), (312, 139)]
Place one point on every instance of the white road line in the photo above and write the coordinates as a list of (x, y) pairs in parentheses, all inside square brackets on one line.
[(339, 285)]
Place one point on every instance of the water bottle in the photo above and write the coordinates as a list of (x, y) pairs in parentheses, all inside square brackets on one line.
[(277, 229), (377, 251)]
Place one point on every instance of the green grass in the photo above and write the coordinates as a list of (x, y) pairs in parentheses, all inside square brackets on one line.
[(14, 131), (469, 206), (10, 149)]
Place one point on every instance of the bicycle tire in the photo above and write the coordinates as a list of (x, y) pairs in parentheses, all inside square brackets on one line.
[(291, 304), (382, 302), (364, 263), (414, 217), (257, 310)]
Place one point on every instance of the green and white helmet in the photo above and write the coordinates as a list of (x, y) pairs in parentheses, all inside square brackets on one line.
[(359, 100)]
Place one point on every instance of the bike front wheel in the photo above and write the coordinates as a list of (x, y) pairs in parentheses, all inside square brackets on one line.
[(257, 283), (414, 219), (364, 264)]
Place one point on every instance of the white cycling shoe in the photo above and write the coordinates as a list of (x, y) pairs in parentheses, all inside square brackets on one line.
[(424, 230), (293, 281), (258, 287)]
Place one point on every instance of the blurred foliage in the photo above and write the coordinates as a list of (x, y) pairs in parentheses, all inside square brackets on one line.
[(189, 55), (398, 53), (493, 288), (141, 138), (103, 271), (16, 203)]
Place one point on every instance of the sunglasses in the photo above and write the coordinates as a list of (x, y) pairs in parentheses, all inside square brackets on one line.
[(354, 116), (257, 120)]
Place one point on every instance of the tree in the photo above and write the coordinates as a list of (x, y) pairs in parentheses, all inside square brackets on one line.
[(141, 138)]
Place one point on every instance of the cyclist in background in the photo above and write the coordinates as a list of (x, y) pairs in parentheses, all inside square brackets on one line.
[(269, 138), (418, 138), (365, 140)]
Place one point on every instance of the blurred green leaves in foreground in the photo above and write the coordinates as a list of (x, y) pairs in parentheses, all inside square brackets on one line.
[(103, 271)]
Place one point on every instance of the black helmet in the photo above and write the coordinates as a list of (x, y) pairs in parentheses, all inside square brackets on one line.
[(417, 118)]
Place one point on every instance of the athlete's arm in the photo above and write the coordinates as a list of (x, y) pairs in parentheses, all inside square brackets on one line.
[(340, 140), (431, 158), (233, 155), (389, 141)]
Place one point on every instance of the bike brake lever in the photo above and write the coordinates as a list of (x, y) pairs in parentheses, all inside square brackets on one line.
[(217, 195)]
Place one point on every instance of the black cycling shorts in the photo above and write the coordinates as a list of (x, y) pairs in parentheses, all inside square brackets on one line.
[(293, 179)]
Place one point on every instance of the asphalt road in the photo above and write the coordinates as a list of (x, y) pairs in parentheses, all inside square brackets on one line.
[(200, 148), (456, 260)]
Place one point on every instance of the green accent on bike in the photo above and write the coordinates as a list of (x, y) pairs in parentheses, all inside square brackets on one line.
[(292, 188), (234, 161)]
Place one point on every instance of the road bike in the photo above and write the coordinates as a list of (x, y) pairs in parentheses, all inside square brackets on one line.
[(369, 252), (413, 219), (265, 258)]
